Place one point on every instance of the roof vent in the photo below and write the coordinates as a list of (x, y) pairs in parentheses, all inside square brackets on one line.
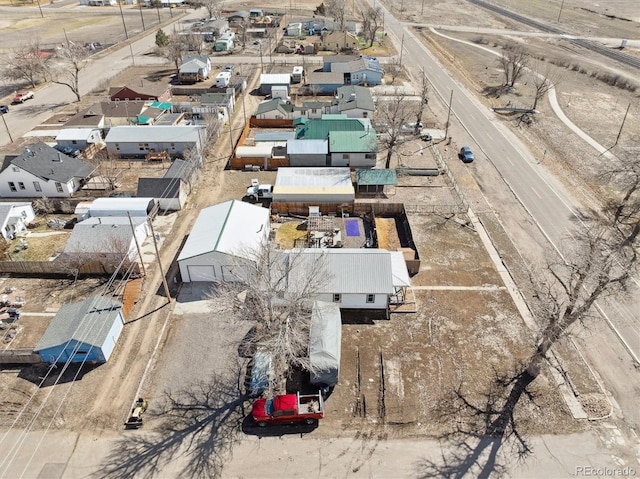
[(58, 158)]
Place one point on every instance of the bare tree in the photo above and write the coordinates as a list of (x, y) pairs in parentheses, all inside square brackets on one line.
[(72, 59), (192, 43), (371, 22), (26, 64), (544, 79), (336, 8), (394, 68), (513, 63), (392, 116), (174, 50), (625, 212), (107, 169), (275, 289), (213, 7)]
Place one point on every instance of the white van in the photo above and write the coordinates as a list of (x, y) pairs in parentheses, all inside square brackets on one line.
[(222, 79)]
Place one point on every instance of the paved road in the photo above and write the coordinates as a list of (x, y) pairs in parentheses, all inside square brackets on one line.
[(544, 198)]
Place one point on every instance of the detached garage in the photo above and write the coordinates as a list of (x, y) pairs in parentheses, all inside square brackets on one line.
[(223, 236), (313, 185), (85, 331)]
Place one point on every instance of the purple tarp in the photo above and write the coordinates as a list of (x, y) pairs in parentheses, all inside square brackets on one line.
[(352, 227)]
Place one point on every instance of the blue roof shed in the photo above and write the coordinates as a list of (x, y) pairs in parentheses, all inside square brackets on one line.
[(84, 331)]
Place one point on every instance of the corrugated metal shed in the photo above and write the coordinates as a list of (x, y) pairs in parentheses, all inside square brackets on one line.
[(232, 227), (88, 322), (349, 271), (74, 134), (399, 269), (307, 147), (145, 134), (121, 206), (353, 141), (262, 149), (313, 177), (370, 177), (318, 129), (275, 136), (275, 79)]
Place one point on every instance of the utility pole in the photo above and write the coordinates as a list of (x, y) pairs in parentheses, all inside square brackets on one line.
[(155, 245), (422, 8), (135, 238), (142, 16), (123, 22), (40, 8), (401, 49), (560, 12), (446, 131), (261, 64), (7, 128)]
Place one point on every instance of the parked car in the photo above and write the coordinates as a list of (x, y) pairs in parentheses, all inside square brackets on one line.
[(4, 109), (228, 68), (68, 150), (22, 96), (466, 155)]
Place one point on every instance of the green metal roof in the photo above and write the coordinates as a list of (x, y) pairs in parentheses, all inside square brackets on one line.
[(301, 120), (162, 105), (353, 141), (141, 119), (376, 177), (318, 129)]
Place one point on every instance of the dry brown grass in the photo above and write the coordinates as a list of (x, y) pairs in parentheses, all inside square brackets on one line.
[(288, 233), (41, 248)]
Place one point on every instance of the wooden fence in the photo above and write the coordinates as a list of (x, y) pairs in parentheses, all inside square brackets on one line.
[(270, 123), (64, 268), (19, 356)]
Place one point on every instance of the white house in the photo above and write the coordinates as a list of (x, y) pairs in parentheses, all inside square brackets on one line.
[(275, 109), (358, 278), (138, 141), (109, 235), (79, 138), (14, 218), (354, 102), (223, 236), (43, 171)]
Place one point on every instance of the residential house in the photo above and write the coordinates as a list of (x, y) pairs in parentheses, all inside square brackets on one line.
[(363, 71), (337, 42), (225, 42), (141, 89), (313, 185), (88, 118), (318, 129), (224, 238), (269, 80), (354, 102), (79, 138), (194, 68), (364, 278), (324, 83), (138, 141), (115, 113), (170, 191), (355, 149), (220, 104), (239, 17), (294, 29), (83, 332), (275, 109), (312, 109), (217, 27), (14, 218), (107, 236), (42, 171)]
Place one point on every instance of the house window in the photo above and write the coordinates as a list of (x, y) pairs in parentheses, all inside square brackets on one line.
[(314, 110), (59, 187), (16, 169), (369, 156), (74, 142), (36, 185), (173, 146), (117, 146), (21, 185), (12, 186), (345, 156), (365, 114), (371, 298), (336, 298)]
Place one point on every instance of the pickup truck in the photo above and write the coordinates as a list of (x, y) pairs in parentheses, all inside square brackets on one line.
[(257, 192), (288, 409), (22, 97)]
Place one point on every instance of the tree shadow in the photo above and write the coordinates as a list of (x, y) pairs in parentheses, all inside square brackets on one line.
[(484, 431), (199, 424)]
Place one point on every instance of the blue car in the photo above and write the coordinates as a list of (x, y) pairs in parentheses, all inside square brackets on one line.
[(466, 155)]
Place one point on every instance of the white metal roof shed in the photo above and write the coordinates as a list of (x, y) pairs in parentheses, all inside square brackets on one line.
[(121, 206), (399, 269), (74, 133), (275, 79), (145, 134), (314, 184), (308, 147), (261, 149), (232, 227)]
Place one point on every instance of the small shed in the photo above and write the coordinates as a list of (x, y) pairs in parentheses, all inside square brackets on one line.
[(82, 332), (313, 185), (79, 138), (324, 83), (308, 152), (374, 181), (122, 207), (325, 343)]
